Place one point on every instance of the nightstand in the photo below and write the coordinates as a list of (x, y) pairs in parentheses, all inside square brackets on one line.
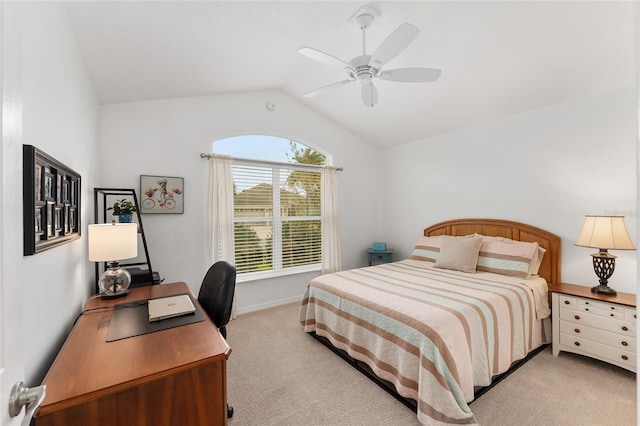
[(376, 257), (595, 325)]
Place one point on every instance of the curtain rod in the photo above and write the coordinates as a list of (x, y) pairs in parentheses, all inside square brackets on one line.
[(277, 163)]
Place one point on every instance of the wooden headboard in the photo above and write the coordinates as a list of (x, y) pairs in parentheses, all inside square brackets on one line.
[(550, 269)]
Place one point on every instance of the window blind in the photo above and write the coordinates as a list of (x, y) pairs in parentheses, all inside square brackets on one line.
[(277, 219)]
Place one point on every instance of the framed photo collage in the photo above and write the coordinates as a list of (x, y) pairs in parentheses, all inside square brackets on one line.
[(51, 198)]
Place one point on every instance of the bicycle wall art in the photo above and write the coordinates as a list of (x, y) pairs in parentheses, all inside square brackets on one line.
[(161, 194)]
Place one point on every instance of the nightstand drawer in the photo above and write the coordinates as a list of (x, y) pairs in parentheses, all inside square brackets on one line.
[(619, 314), (598, 350), (620, 341), (593, 320), (568, 302), (379, 257), (603, 309)]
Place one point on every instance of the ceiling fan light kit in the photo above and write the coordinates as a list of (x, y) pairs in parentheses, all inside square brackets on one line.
[(364, 68)]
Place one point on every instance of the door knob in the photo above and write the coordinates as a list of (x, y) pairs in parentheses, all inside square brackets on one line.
[(22, 396)]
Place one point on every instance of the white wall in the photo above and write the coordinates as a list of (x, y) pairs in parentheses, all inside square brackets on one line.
[(547, 167), (60, 117), (166, 137)]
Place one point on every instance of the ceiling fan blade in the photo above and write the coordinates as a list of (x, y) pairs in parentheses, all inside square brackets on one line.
[(325, 58), (411, 75), (330, 86), (395, 43), (369, 94)]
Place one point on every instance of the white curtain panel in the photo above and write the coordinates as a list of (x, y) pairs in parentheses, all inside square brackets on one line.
[(220, 214), (331, 258)]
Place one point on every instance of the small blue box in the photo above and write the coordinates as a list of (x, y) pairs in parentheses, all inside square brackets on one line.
[(379, 246)]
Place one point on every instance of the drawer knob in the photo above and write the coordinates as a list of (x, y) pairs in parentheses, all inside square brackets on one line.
[(577, 330), (576, 317), (625, 344), (625, 357), (566, 302), (625, 328)]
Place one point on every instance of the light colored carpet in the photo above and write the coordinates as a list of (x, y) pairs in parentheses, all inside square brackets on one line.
[(278, 375)]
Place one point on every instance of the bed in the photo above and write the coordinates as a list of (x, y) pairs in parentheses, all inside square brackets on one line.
[(437, 327)]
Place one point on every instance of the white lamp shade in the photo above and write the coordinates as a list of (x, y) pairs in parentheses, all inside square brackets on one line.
[(605, 232), (113, 242)]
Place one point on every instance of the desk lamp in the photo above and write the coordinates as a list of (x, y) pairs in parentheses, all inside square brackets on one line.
[(112, 242), (604, 233)]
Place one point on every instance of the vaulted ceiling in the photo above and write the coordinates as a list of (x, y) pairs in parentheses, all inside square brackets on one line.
[(497, 58)]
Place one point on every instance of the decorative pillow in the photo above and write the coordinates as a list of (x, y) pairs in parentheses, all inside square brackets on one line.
[(534, 267), (507, 258), (459, 253), (427, 248)]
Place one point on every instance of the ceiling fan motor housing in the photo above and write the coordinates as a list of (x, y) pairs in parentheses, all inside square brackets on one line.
[(361, 70)]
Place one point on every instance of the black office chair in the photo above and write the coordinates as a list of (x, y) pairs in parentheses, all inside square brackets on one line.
[(216, 297)]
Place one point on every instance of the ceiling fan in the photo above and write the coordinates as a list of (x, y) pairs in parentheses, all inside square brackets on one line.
[(365, 68)]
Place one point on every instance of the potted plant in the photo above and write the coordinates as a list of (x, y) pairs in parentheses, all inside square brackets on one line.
[(123, 209)]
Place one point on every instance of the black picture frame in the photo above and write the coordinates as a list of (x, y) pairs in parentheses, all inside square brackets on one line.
[(51, 201)]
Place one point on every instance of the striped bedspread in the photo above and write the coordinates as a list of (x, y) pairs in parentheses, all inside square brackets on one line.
[(433, 333)]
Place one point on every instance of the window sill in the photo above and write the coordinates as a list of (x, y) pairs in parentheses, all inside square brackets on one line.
[(256, 276)]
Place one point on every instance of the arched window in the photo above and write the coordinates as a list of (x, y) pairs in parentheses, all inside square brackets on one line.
[(277, 204)]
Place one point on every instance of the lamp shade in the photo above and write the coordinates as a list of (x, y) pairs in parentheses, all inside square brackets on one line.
[(112, 242), (605, 232)]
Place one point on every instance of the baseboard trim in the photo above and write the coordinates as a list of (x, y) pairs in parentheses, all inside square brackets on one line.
[(271, 304)]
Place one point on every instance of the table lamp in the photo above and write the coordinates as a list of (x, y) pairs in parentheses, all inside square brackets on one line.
[(604, 233), (112, 242)]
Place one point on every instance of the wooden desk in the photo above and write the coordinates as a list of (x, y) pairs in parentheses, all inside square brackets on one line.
[(170, 377)]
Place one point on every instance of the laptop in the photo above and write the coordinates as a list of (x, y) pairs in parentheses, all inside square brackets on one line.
[(170, 307)]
